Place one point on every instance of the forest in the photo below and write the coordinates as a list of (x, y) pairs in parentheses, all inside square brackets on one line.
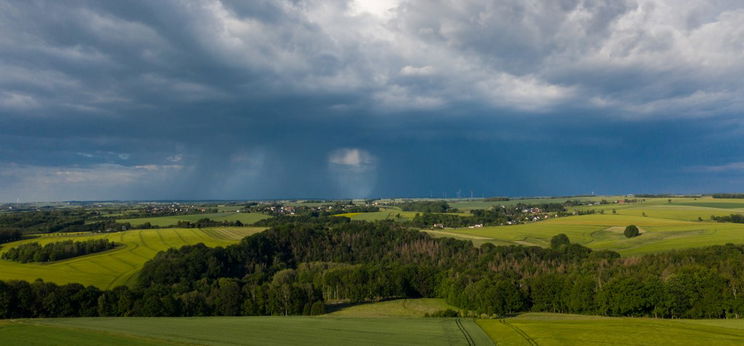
[(9, 235), (34, 252), (299, 268)]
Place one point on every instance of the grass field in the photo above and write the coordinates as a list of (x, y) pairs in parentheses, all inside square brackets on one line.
[(384, 323), (243, 330), (163, 221), (559, 329), (606, 232), (665, 226), (118, 266)]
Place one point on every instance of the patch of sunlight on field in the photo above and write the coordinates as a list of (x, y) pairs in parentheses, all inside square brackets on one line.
[(676, 212), (564, 329), (118, 266), (394, 308)]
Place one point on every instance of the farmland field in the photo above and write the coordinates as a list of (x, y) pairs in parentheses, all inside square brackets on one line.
[(560, 329), (665, 226), (163, 221), (277, 330), (118, 266), (358, 328)]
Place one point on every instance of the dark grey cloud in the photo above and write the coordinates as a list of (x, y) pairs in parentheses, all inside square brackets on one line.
[(236, 99)]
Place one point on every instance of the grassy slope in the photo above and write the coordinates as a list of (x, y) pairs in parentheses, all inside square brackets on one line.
[(259, 330), (163, 221), (118, 266), (558, 329)]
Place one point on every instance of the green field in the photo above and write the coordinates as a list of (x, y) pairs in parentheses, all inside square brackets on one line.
[(385, 323), (559, 329), (605, 232), (163, 221), (665, 226), (118, 266), (293, 330)]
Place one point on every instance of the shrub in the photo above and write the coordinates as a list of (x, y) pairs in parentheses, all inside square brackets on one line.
[(631, 231)]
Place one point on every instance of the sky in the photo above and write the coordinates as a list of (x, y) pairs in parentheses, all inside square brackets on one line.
[(274, 99)]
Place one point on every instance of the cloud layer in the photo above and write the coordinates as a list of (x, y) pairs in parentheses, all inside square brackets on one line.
[(259, 99)]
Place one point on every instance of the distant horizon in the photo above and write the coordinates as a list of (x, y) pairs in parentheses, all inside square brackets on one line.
[(656, 195)]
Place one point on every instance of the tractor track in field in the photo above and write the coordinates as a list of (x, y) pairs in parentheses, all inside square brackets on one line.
[(465, 333), (201, 235), (167, 244), (144, 243), (181, 238), (521, 333)]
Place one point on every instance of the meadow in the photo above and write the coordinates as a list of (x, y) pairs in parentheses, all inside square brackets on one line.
[(665, 226), (165, 221), (565, 329), (118, 266)]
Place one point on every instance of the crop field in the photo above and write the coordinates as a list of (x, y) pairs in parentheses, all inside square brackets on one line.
[(277, 330), (560, 329), (665, 226), (163, 221), (118, 266)]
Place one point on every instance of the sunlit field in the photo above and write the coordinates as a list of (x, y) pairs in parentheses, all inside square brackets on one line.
[(118, 266), (564, 329), (665, 226)]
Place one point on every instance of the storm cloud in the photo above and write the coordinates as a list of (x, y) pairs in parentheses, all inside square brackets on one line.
[(279, 99)]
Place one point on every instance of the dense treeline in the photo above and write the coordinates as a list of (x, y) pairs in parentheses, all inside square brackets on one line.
[(316, 218), (298, 268), (207, 222), (494, 216), (728, 195), (427, 207), (58, 221), (41, 221), (735, 218), (342, 209), (518, 213), (34, 252), (10, 235)]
